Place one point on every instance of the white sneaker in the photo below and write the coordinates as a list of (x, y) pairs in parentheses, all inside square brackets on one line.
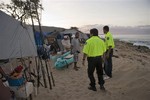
[(106, 77)]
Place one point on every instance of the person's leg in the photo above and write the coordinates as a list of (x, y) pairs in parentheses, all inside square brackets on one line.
[(75, 61), (77, 58), (75, 66), (110, 64), (91, 68), (99, 71), (106, 67)]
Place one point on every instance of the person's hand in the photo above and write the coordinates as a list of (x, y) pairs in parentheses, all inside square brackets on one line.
[(78, 51)]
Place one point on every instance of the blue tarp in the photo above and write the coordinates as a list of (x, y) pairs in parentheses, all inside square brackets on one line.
[(47, 33), (38, 39)]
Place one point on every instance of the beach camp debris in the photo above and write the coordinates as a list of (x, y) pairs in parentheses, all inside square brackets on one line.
[(16, 41), (23, 91), (64, 60)]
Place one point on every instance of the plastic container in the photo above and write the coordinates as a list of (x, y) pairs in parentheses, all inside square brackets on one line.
[(23, 91), (15, 82)]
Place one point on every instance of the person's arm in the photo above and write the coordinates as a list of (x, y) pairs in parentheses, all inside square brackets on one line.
[(85, 52), (84, 57), (109, 41), (72, 43), (108, 52), (104, 51)]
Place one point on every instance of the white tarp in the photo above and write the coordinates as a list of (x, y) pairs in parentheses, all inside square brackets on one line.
[(73, 31), (69, 31), (16, 41)]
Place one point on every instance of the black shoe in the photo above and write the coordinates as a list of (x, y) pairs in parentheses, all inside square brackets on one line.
[(92, 88), (102, 87), (110, 76)]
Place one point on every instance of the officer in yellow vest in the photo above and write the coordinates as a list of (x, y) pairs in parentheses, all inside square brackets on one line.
[(94, 49), (109, 42)]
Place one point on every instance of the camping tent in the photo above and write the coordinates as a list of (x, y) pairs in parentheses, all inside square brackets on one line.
[(16, 41)]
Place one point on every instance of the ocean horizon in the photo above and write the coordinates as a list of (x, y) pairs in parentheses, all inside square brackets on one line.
[(136, 39)]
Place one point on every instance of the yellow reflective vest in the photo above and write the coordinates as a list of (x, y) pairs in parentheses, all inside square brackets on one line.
[(94, 47), (109, 41)]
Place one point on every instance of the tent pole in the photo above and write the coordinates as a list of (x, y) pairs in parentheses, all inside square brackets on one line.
[(49, 79), (43, 73), (51, 73)]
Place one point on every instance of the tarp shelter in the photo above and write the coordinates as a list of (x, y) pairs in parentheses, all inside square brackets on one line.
[(69, 31), (38, 39), (73, 31), (16, 41)]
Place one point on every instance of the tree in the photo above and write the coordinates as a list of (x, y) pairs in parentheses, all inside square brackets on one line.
[(22, 10)]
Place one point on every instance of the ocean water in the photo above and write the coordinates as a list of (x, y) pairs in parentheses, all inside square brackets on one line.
[(138, 40)]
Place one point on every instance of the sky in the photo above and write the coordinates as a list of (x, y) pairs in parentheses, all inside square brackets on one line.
[(76, 13)]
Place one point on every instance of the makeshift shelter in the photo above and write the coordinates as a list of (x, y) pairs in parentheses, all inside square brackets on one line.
[(53, 40), (16, 41), (38, 38), (73, 31)]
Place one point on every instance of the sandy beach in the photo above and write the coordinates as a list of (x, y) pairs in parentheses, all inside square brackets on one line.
[(130, 81), (33, 37)]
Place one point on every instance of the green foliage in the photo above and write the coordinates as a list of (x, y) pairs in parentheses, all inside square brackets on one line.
[(22, 10)]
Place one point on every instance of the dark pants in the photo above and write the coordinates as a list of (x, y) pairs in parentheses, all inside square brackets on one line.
[(95, 62), (108, 64)]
